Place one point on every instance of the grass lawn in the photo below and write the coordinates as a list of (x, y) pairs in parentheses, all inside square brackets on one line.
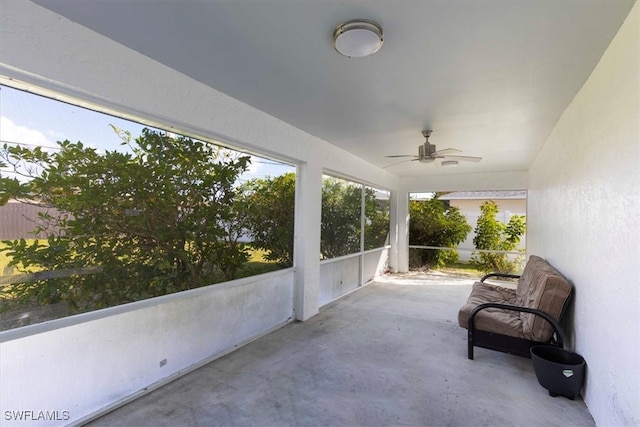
[(256, 264), (462, 269), (4, 260), (257, 255), (468, 270)]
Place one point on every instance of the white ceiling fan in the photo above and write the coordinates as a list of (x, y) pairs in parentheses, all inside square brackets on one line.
[(427, 153)]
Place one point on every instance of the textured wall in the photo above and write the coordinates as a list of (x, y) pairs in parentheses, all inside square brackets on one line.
[(124, 350), (583, 216)]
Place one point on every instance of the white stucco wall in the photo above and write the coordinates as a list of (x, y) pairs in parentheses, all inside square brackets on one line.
[(584, 217), (343, 275), (87, 363)]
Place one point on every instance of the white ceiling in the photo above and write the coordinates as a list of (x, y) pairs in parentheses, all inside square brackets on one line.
[(490, 77)]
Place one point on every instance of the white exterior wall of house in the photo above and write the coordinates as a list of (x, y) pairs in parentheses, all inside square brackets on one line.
[(583, 216)]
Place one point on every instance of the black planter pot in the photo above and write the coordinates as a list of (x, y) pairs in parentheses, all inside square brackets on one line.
[(558, 370)]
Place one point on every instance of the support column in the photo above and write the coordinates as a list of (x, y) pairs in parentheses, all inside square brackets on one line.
[(307, 240), (399, 217)]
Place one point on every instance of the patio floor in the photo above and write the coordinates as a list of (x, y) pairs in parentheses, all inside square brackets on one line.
[(389, 354)]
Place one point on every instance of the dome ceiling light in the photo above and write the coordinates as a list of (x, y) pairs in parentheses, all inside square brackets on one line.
[(358, 38)]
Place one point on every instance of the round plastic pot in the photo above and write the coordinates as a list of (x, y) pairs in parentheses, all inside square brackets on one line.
[(559, 371)]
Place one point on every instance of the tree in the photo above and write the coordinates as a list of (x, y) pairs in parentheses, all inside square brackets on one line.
[(146, 222), (341, 229), (492, 234), (270, 207), (5, 185), (341, 215), (432, 223), (376, 227)]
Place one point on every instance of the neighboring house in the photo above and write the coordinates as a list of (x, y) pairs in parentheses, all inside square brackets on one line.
[(509, 203), (18, 220)]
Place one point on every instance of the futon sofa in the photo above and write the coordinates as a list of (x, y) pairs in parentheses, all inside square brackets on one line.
[(513, 320)]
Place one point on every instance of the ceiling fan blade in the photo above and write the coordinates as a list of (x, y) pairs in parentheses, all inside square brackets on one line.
[(462, 158), (401, 155), (398, 163), (446, 151)]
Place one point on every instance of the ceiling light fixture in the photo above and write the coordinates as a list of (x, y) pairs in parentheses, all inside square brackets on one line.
[(358, 38), (449, 163)]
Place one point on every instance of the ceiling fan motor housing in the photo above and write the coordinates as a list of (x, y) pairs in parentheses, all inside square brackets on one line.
[(426, 150)]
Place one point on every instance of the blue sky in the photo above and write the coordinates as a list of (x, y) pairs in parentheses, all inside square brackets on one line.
[(31, 119)]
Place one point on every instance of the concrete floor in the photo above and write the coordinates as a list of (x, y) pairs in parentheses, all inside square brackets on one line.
[(390, 354)]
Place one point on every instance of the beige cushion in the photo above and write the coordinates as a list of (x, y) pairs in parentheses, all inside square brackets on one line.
[(540, 287), (496, 320)]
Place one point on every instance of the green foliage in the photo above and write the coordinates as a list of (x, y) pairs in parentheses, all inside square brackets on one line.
[(341, 215), (270, 204), (270, 211), (341, 228), (432, 223), (5, 184), (376, 227), (492, 234), (146, 223)]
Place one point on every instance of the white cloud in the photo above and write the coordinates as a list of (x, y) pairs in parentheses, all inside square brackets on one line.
[(57, 136), (12, 132), (253, 171), (254, 167)]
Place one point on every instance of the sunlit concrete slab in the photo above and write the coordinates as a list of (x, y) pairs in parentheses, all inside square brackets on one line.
[(390, 353)]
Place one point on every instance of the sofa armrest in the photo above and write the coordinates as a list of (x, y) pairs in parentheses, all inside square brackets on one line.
[(560, 338), (511, 276)]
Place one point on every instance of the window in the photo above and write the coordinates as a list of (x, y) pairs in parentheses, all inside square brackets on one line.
[(115, 212), (376, 225), (354, 217)]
